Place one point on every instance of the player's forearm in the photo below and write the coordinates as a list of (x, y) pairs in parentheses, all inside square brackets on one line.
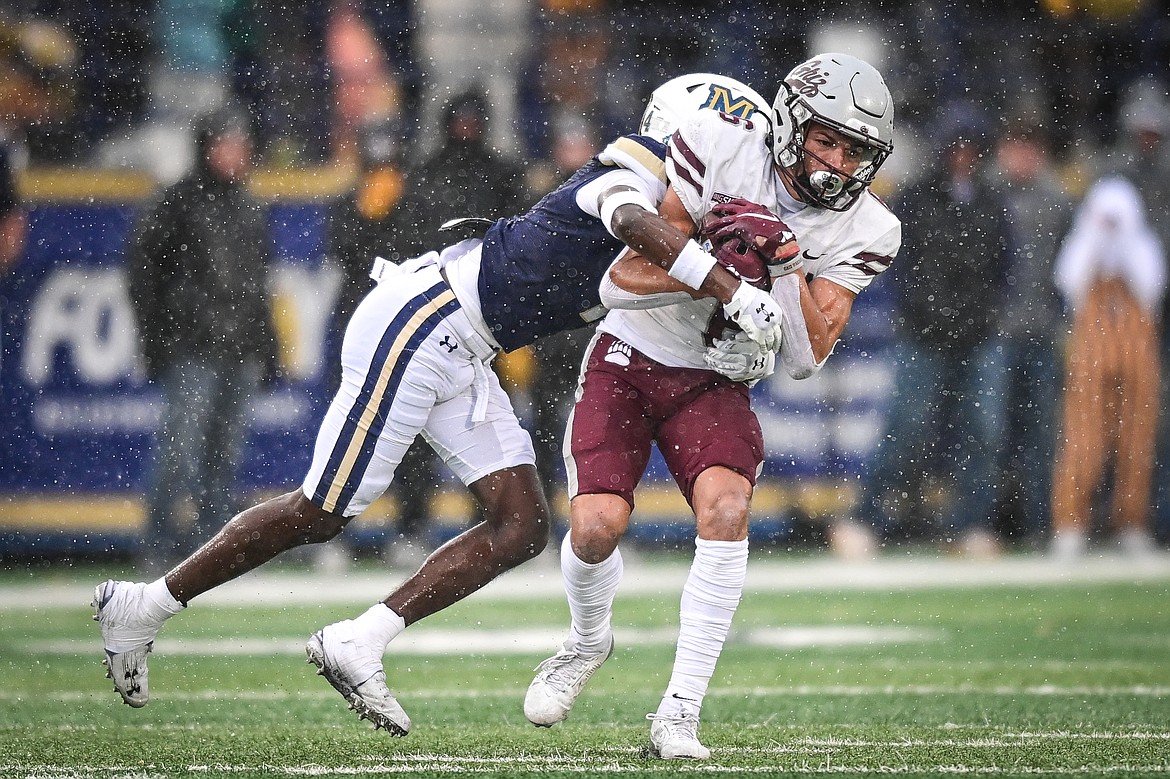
[(649, 235), (822, 330), (826, 309), (633, 282), (814, 318), (639, 276), (661, 242)]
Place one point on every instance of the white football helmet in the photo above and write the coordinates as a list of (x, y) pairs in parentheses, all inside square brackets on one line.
[(848, 95), (680, 96)]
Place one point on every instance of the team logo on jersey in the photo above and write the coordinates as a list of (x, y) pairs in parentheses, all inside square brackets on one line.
[(721, 99)]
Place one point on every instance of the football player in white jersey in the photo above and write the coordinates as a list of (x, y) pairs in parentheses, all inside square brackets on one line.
[(650, 375)]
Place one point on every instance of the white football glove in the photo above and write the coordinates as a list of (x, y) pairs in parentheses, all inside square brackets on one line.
[(740, 359), (756, 314)]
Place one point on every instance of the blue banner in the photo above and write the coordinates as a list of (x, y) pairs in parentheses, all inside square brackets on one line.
[(78, 415), (77, 418)]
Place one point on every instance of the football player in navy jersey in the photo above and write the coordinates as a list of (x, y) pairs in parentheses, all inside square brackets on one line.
[(416, 360)]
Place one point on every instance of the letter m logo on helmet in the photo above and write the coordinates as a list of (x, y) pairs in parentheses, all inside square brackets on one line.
[(724, 100)]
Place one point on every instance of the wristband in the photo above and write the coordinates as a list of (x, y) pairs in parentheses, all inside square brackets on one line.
[(692, 265), (777, 268), (618, 199)]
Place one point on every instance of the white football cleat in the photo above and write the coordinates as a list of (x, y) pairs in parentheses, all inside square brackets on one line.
[(355, 671), (676, 737), (127, 635), (559, 680)]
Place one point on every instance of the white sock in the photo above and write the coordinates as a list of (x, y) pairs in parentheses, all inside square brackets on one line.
[(378, 625), (709, 600), (590, 589), (159, 602)]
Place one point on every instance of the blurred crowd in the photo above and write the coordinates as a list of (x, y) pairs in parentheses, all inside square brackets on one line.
[(1009, 116), (84, 77)]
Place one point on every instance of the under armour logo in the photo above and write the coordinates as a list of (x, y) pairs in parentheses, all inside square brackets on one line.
[(447, 342), (762, 309), (758, 364)]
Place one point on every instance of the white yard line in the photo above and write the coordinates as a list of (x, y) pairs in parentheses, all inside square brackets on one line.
[(323, 692), (429, 642), (541, 579), (791, 744)]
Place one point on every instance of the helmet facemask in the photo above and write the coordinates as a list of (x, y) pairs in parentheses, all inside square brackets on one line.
[(829, 187), (844, 94)]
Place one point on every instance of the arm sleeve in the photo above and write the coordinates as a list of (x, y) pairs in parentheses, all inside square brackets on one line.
[(587, 195), (613, 296), (796, 352)]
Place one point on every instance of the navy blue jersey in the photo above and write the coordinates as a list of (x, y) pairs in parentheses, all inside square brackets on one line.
[(540, 271)]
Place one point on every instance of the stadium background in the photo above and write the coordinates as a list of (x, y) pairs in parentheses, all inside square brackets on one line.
[(79, 417), (76, 417)]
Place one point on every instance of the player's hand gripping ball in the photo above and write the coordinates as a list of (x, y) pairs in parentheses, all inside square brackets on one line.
[(737, 255), (740, 255), (754, 225)]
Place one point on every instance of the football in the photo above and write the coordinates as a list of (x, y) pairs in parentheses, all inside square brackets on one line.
[(742, 259)]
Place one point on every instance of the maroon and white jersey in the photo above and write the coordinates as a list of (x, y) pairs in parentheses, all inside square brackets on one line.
[(715, 157)]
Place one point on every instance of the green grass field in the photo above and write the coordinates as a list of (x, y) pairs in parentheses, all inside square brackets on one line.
[(912, 667)]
